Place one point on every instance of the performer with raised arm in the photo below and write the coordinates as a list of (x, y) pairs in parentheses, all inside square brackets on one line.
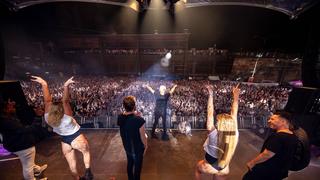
[(222, 140), (59, 116), (160, 110)]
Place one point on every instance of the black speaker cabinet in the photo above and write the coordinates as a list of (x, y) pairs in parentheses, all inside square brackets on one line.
[(13, 90), (304, 101)]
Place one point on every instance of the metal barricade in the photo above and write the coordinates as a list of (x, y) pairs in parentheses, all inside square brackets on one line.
[(197, 122)]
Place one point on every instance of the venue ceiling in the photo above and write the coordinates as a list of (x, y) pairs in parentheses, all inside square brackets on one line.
[(291, 8)]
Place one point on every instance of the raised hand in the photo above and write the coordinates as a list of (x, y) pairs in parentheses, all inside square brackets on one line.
[(69, 81), (39, 80), (209, 88), (137, 113), (236, 91)]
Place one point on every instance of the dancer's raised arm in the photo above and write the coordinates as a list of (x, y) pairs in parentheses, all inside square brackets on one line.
[(210, 109), (59, 117), (235, 103), (46, 94), (66, 97)]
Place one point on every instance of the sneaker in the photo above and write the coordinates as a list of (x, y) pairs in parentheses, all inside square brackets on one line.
[(88, 174), (37, 172)]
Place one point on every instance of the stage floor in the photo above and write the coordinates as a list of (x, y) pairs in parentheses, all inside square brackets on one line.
[(165, 160)]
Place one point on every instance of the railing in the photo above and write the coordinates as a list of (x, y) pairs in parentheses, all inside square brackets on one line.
[(196, 122)]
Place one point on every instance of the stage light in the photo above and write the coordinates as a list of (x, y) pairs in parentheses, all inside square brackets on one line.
[(165, 62), (143, 5), (168, 55), (170, 5)]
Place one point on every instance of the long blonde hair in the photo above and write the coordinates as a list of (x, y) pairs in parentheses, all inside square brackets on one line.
[(225, 122), (227, 128), (55, 115)]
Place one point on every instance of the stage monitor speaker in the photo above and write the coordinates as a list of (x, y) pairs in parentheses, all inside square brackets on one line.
[(13, 90), (304, 101)]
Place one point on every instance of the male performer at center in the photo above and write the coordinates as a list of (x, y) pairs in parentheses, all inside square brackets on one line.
[(161, 97)]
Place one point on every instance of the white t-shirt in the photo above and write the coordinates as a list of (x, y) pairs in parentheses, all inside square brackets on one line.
[(210, 145), (68, 125)]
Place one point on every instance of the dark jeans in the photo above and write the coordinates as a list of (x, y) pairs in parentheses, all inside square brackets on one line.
[(134, 165), (157, 116)]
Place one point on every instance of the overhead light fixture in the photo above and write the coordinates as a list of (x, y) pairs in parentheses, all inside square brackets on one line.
[(143, 5)]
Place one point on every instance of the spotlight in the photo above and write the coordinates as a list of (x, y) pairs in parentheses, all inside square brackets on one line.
[(165, 62), (168, 55)]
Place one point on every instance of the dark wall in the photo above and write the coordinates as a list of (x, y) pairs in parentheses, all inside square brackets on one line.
[(2, 60), (233, 27), (4, 13), (311, 59)]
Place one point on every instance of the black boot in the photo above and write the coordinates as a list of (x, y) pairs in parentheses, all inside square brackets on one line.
[(165, 137)]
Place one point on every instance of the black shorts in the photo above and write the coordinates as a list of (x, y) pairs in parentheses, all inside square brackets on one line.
[(212, 161), (68, 139)]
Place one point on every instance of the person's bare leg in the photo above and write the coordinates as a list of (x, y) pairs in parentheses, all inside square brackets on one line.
[(81, 144), (197, 174), (69, 154)]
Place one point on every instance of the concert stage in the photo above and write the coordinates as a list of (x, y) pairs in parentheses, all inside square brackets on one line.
[(165, 160)]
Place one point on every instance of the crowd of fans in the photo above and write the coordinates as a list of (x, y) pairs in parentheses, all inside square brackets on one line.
[(160, 51), (192, 51), (95, 96)]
